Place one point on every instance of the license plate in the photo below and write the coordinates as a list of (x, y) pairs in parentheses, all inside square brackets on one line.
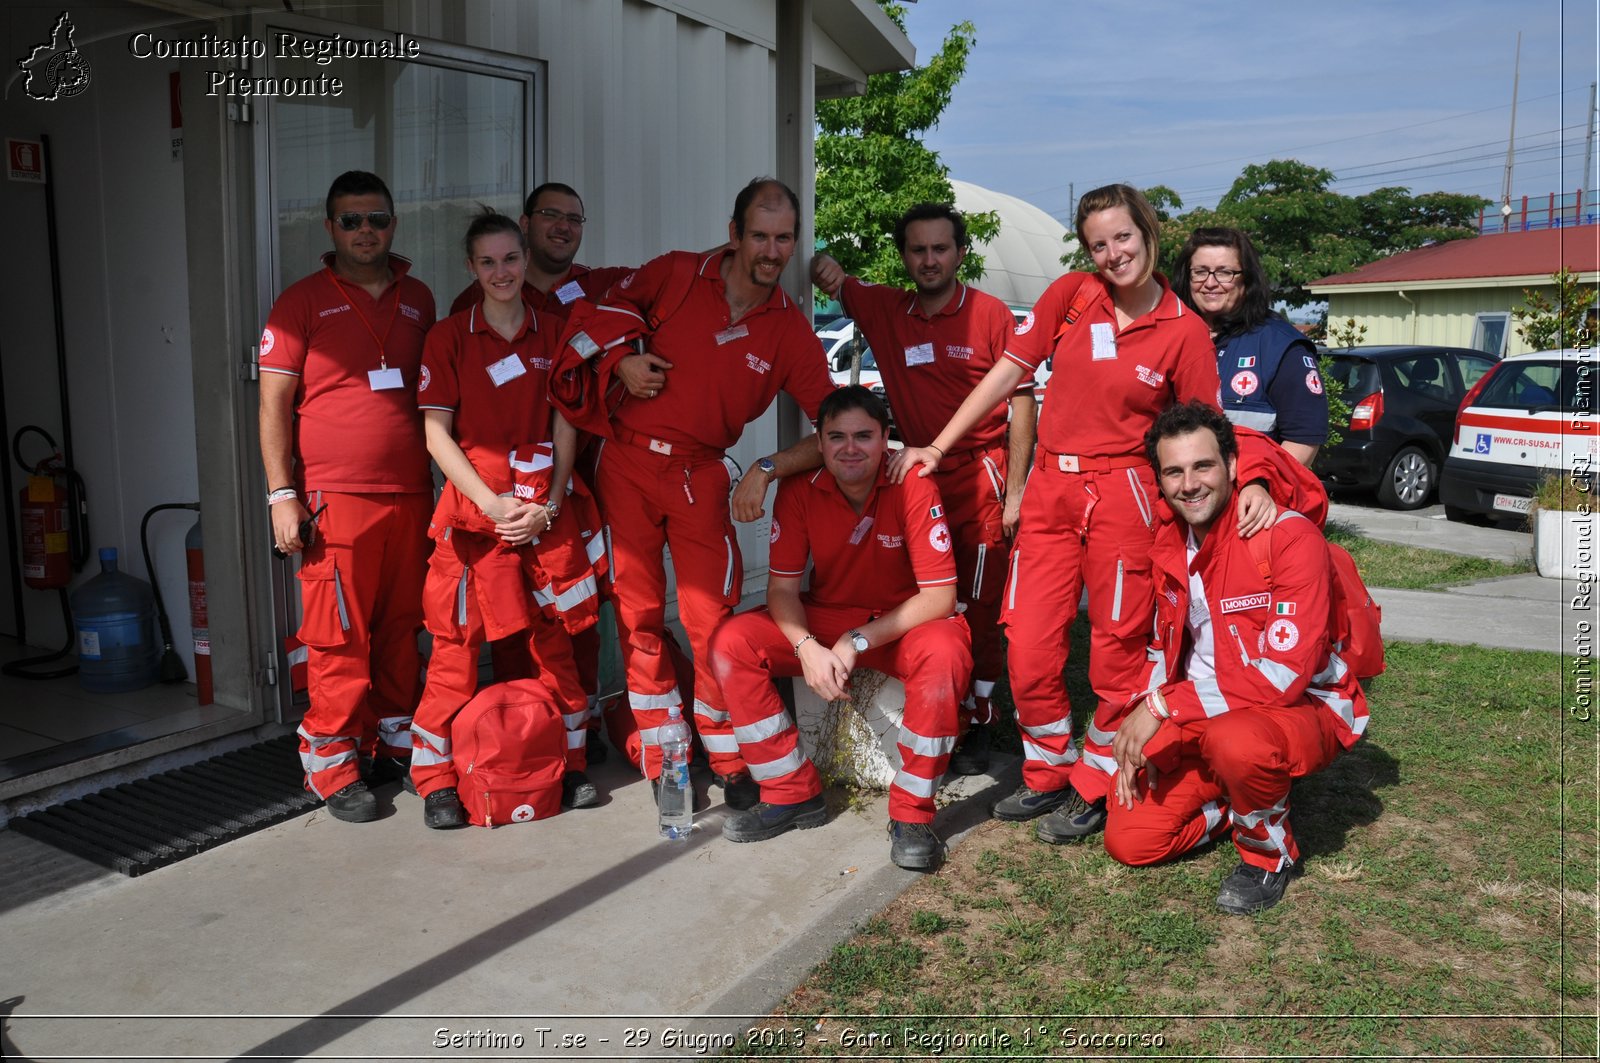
[(1512, 503)]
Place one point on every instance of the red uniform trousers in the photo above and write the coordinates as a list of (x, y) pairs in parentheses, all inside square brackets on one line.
[(649, 501), (509, 657), (933, 660), (1081, 529), (455, 602), (1232, 769), (973, 486), (361, 607)]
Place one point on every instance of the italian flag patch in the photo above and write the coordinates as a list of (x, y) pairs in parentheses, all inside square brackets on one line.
[(936, 512), (1284, 608)]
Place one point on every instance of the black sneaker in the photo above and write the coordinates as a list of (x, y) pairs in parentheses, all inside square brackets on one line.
[(1027, 803), (914, 846), (1251, 889), (441, 810), (353, 804), (577, 791), (1075, 819), (971, 757), (738, 790), (596, 747), (766, 820)]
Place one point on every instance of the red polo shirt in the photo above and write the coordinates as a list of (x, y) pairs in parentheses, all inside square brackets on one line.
[(724, 374), (1115, 382), (332, 335), (930, 365), (579, 282), (874, 560), (460, 364)]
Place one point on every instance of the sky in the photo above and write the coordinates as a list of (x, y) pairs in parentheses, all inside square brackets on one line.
[(1417, 94)]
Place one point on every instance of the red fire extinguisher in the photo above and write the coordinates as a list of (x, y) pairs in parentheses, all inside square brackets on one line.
[(199, 619), (46, 542)]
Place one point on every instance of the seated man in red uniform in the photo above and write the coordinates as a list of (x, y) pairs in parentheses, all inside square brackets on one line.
[(1244, 691), (934, 345), (882, 596)]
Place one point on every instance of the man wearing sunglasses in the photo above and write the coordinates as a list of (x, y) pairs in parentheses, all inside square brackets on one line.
[(340, 435)]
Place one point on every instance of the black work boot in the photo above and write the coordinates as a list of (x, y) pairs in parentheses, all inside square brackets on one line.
[(914, 846), (738, 790), (766, 820), (1251, 889), (971, 757), (441, 810), (353, 804)]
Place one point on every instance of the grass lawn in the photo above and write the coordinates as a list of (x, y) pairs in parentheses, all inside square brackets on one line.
[(1413, 567), (1447, 908)]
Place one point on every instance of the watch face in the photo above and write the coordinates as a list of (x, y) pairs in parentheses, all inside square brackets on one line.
[(859, 642)]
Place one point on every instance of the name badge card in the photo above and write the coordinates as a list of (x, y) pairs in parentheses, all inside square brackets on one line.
[(385, 379), (728, 335), (921, 354), (568, 292), (1104, 340), (506, 369)]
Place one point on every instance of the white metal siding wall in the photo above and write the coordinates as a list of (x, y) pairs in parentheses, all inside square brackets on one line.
[(1445, 316)]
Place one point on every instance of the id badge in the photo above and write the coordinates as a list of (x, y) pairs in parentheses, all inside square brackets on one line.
[(568, 292), (506, 369), (921, 354), (385, 379), (1104, 339)]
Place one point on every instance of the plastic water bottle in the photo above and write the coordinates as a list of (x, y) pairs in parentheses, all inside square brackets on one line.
[(115, 617), (676, 797)]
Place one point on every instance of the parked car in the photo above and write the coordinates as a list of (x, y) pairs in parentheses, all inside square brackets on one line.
[(1517, 424), (1403, 403), (839, 340)]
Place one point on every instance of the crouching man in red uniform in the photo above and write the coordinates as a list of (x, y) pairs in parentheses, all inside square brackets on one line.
[(883, 596), (1244, 691)]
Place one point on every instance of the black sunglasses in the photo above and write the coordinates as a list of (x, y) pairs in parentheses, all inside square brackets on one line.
[(350, 221)]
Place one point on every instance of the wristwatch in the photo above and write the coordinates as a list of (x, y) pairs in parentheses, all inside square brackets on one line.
[(552, 511), (768, 466), (859, 641)]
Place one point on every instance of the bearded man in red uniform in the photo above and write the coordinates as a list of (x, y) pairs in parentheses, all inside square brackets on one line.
[(933, 346), (349, 486), (720, 339), (882, 596), (1245, 691)]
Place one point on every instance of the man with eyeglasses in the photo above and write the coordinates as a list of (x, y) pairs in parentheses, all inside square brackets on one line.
[(340, 433), (553, 219)]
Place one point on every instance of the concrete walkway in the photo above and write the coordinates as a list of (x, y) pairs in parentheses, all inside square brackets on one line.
[(317, 939)]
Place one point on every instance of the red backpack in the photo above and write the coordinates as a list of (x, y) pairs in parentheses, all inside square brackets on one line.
[(510, 747), (1356, 622)]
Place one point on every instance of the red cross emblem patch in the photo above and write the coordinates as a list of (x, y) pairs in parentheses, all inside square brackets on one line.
[(939, 537), (1283, 635)]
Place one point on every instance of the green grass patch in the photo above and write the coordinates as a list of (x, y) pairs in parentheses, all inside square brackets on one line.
[(1415, 567), (1449, 871)]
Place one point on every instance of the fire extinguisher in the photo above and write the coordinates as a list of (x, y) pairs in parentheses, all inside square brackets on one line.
[(46, 511), (199, 620)]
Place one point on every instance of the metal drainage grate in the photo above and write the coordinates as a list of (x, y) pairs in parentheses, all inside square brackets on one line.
[(140, 826)]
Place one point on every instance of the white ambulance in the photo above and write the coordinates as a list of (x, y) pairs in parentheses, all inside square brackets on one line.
[(1531, 416)]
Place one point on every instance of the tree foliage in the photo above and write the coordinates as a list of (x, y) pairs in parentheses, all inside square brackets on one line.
[(1567, 322), (1304, 230), (872, 165)]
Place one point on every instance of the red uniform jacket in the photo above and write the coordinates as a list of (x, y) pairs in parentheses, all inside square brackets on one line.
[(1271, 639)]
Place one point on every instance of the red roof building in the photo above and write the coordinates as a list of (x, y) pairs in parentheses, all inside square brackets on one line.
[(1459, 293)]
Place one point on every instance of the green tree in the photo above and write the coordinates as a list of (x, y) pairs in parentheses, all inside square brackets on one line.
[(872, 164), (1567, 322)]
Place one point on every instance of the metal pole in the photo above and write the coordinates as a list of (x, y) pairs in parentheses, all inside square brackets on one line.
[(1588, 155), (1511, 144)]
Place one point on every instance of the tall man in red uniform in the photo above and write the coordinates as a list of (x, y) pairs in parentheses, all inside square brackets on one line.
[(341, 441), (933, 346), (1244, 692), (882, 596), (553, 219), (723, 340)]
